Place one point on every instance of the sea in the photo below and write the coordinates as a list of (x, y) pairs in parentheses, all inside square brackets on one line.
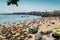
[(9, 19)]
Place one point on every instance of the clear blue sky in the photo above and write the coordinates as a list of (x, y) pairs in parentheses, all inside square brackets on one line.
[(30, 5)]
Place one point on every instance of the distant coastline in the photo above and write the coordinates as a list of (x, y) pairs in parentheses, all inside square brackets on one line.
[(43, 14)]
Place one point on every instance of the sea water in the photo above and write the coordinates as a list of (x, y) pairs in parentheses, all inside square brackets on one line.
[(6, 19)]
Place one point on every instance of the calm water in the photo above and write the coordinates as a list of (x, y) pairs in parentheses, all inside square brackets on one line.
[(5, 19)]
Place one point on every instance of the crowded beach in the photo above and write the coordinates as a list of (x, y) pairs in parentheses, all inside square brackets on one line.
[(30, 30)]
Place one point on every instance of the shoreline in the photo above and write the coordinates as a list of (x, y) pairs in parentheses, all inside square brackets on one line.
[(44, 24)]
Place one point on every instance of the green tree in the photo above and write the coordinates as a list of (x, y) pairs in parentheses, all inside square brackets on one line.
[(14, 2)]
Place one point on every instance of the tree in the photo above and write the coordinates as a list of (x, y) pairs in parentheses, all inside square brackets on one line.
[(12, 2)]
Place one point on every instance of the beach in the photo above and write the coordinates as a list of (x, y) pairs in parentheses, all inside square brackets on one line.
[(21, 30)]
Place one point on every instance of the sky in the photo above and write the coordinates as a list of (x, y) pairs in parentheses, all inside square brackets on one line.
[(30, 5)]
